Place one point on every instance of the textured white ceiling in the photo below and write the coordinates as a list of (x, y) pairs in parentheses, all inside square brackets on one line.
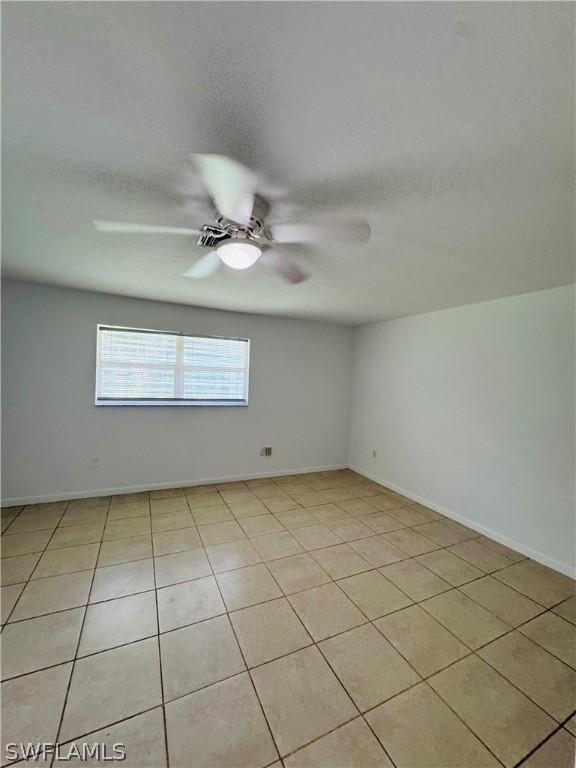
[(450, 126)]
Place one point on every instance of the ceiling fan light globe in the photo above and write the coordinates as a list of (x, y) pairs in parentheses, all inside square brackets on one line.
[(239, 255)]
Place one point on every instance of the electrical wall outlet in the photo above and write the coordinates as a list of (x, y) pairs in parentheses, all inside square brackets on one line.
[(266, 451), (94, 462), (374, 453)]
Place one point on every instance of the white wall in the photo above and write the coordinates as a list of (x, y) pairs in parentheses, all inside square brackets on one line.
[(299, 399), (472, 410)]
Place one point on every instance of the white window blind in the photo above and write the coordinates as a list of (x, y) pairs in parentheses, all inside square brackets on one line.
[(142, 367)]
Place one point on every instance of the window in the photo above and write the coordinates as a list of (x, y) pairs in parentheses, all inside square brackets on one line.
[(141, 367)]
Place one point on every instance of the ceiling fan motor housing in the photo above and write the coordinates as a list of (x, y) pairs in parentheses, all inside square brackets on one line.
[(214, 235)]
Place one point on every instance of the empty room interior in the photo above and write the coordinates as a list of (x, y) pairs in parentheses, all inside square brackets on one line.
[(288, 384)]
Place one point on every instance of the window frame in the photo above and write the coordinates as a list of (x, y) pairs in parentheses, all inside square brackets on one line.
[(179, 382)]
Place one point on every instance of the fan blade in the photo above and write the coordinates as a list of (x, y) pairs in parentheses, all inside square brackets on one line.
[(287, 269), (344, 231), (126, 228), (204, 267), (230, 184)]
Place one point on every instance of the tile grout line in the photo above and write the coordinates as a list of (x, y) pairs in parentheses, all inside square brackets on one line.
[(360, 713), (357, 716), (109, 725), (373, 732), (247, 669), (16, 516), (29, 579), (560, 728), (313, 644), (420, 680), (474, 652), (161, 672), (74, 660)]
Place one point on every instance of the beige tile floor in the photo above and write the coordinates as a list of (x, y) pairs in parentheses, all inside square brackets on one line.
[(312, 620)]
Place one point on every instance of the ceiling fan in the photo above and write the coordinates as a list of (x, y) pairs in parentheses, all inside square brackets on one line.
[(241, 235)]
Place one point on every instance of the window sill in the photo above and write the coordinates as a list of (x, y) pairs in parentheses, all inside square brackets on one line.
[(172, 403)]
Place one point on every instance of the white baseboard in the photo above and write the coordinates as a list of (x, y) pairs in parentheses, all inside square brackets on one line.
[(22, 500), (557, 565)]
